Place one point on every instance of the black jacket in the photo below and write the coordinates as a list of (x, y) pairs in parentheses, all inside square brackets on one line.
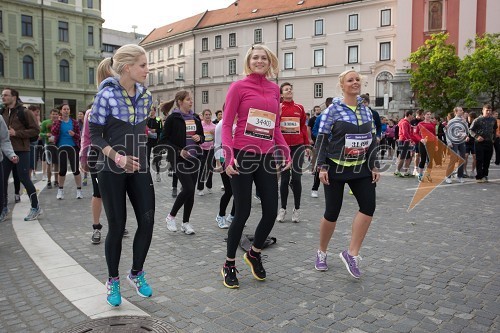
[(173, 135)]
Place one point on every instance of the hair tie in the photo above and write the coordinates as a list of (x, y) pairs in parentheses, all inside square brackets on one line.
[(111, 61)]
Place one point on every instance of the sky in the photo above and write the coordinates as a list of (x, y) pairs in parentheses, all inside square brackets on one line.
[(150, 14)]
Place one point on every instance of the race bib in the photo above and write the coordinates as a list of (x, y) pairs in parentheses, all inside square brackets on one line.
[(209, 136), (190, 128), (357, 145), (290, 125), (260, 124)]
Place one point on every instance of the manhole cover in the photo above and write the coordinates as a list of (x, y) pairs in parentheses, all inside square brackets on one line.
[(124, 324)]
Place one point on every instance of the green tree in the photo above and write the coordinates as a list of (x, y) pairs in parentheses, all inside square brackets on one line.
[(434, 75), (481, 69)]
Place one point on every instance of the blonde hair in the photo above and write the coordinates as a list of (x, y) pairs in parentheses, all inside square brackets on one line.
[(273, 61), (125, 55)]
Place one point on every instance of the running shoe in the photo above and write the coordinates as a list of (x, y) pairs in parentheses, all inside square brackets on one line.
[(320, 264), (158, 177), (3, 214), (351, 263), (281, 215), (140, 284), (230, 278), (79, 194), (221, 222), (187, 228), (201, 193), (114, 297), (49, 185), (229, 219), (96, 236), (460, 180), (421, 177), (17, 198), (33, 214), (447, 180), (255, 264), (84, 181), (60, 194), (314, 194), (296, 215), (398, 174), (171, 223), (407, 175)]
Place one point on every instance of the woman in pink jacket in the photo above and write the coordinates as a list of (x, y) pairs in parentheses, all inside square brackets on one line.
[(250, 155)]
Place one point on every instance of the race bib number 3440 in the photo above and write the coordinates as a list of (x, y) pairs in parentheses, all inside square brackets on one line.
[(260, 124)]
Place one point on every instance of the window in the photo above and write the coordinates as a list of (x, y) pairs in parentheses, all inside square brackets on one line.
[(90, 35), (64, 71), (151, 57), (218, 42), (1, 65), (352, 55), (385, 51), (27, 25), (151, 79), (353, 22), (160, 54), (1, 22), (204, 69), (232, 39), (288, 60), (181, 49), (318, 58), (385, 18), (180, 73), (318, 27), (28, 68), (170, 52), (204, 44), (318, 90), (204, 97), (91, 75), (90, 3), (63, 31), (257, 36), (289, 31), (232, 66), (160, 76)]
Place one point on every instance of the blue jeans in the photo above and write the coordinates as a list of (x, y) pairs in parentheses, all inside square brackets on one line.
[(459, 149)]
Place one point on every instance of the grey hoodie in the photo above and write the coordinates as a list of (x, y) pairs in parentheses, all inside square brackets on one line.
[(5, 141)]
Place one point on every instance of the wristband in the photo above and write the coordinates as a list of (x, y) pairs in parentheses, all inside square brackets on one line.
[(118, 158)]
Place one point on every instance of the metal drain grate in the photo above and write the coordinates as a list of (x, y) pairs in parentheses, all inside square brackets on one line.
[(124, 324)]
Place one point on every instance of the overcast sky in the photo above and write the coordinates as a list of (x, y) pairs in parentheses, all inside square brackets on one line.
[(150, 14)]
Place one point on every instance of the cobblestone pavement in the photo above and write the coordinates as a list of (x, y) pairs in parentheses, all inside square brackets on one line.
[(434, 269)]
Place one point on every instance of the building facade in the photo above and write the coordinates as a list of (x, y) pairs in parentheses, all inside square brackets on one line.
[(314, 41), (50, 50)]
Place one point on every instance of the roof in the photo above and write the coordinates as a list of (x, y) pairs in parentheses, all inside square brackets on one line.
[(240, 10), (173, 29)]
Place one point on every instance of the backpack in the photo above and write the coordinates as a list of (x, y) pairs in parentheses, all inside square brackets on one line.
[(247, 240), (21, 115)]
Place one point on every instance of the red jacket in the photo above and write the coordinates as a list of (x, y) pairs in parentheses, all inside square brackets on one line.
[(405, 131), (293, 124)]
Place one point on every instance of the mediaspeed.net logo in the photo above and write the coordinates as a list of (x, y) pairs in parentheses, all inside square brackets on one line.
[(450, 161)]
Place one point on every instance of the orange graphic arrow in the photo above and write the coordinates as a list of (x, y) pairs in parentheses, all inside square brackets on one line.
[(433, 178)]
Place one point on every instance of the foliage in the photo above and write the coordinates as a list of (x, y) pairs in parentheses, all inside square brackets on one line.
[(481, 69), (434, 75)]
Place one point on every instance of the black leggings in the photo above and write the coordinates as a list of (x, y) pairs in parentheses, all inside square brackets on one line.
[(22, 168), (297, 154), (68, 153), (362, 188), (187, 172), (206, 169), (114, 188), (226, 197), (425, 155), (260, 169)]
